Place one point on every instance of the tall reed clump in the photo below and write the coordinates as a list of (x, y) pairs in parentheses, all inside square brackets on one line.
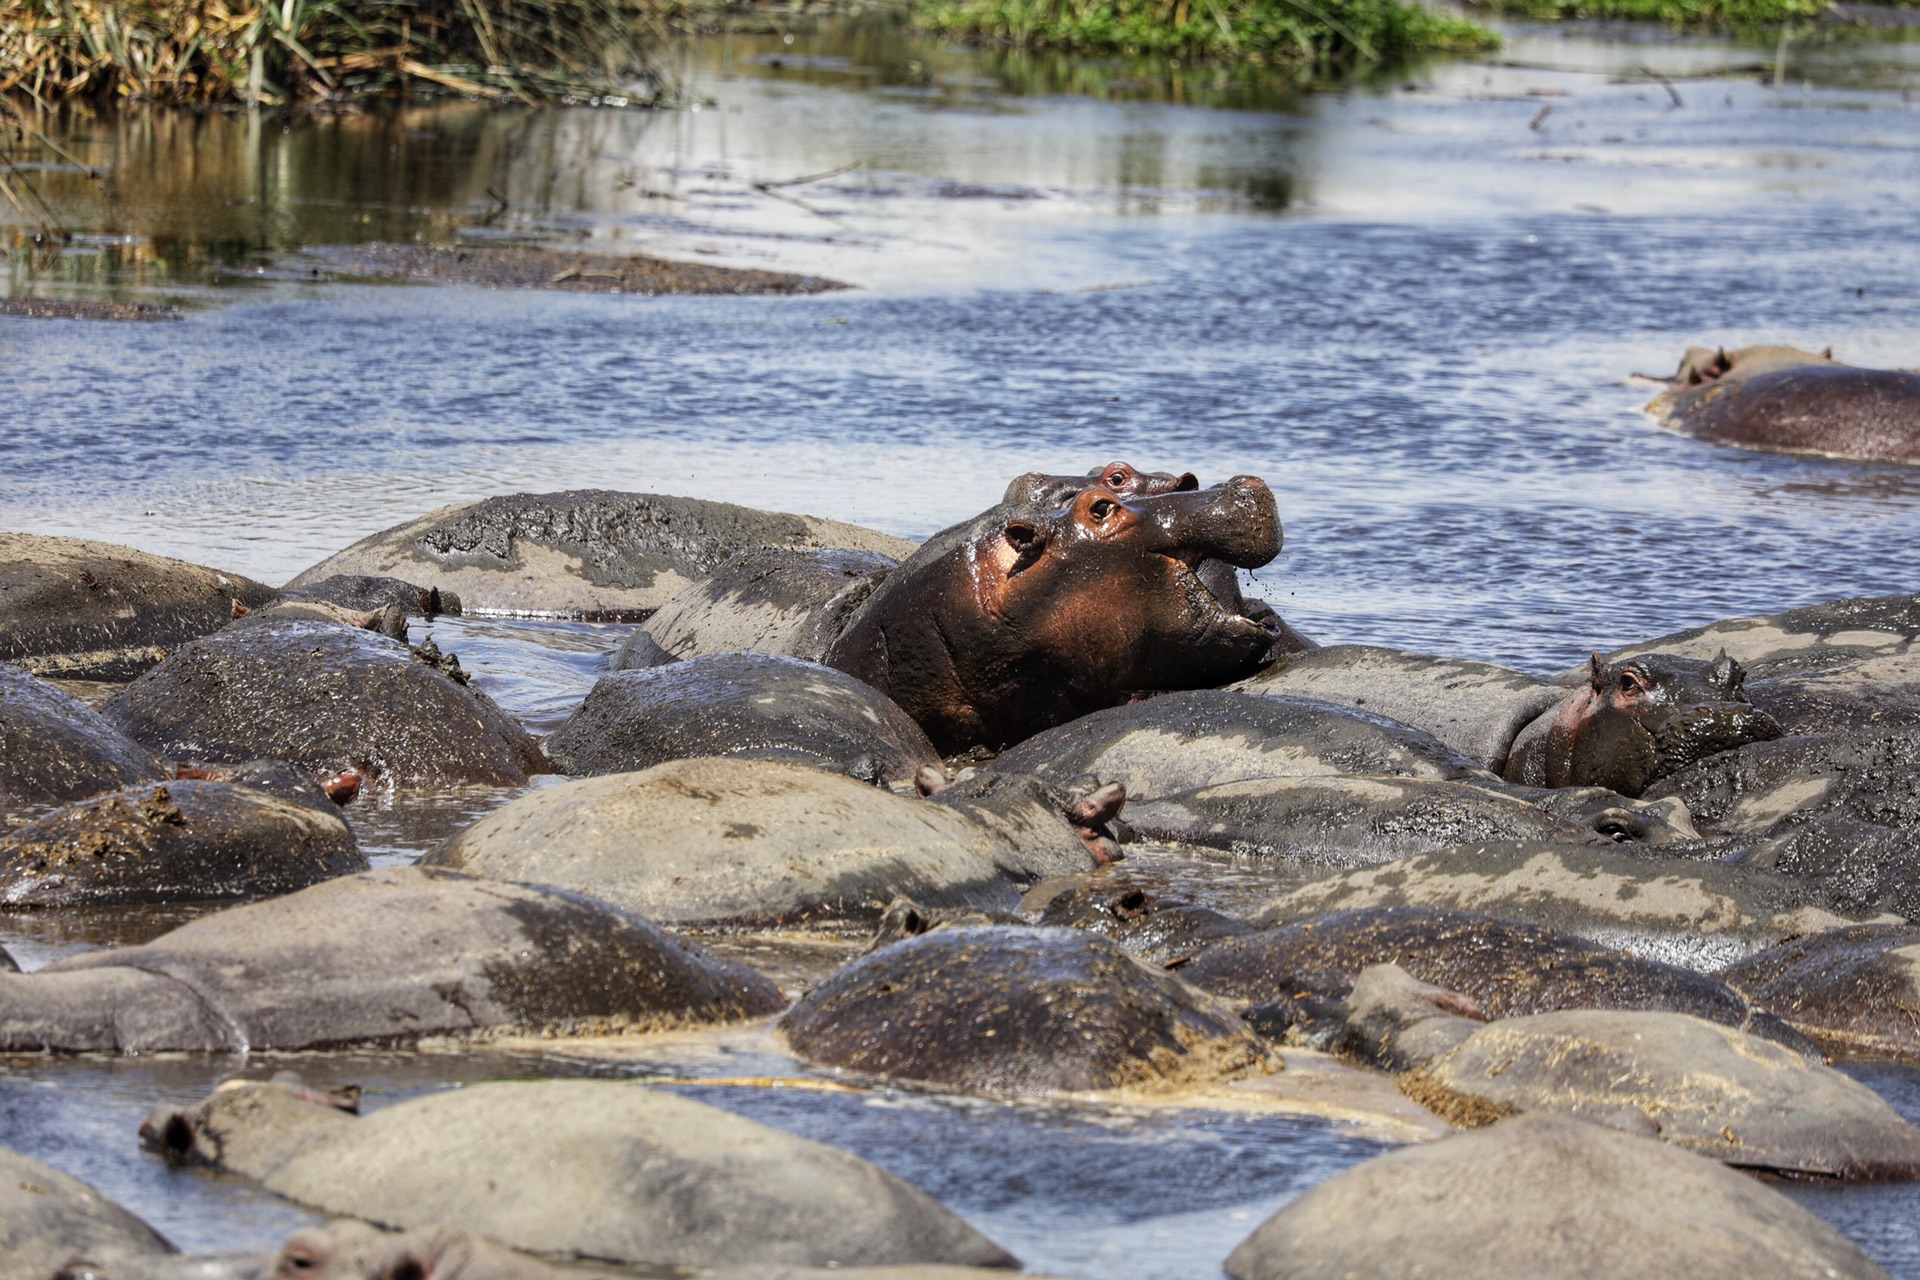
[(277, 51), (1304, 33)]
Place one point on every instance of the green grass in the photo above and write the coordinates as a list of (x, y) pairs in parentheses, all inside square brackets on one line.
[(1681, 13), (1284, 32), (278, 51)]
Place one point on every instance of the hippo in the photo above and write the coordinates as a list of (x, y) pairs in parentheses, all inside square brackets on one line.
[(1295, 973), (1023, 618), (1180, 742), (367, 593), (48, 1218), (1357, 820), (1155, 927), (789, 601), (1008, 1010), (1636, 721), (719, 841), (81, 610), (586, 553), (176, 841), (1036, 488), (1842, 810), (741, 704), (1852, 990), (1708, 1088), (380, 958), (608, 1170), (1784, 400), (1545, 1196), (55, 748), (1476, 708), (330, 698), (1697, 915), (389, 621)]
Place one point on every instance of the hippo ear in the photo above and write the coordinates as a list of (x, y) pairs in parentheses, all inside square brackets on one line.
[(1726, 673), (1597, 675)]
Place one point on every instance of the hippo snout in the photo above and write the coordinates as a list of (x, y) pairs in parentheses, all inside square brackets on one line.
[(1238, 522), (1710, 729)]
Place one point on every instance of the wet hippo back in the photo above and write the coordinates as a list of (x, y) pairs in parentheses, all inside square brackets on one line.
[(779, 600), (1828, 409), (1012, 1010), (53, 747)]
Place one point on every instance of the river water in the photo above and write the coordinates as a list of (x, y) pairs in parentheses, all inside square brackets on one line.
[(1413, 305)]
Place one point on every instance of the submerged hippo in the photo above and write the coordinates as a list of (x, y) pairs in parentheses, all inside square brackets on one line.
[(384, 957), (608, 1170), (48, 1220), (1506, 967), (1709, 1088), (1790, 401), (328, 697), (1541, 1196), (55, 748), (1638, 720), (177, 841), (93, 611), (1016, 1011), (1026, 617), (588, 553), (741, 704), (1852, 990), (1699, 915)]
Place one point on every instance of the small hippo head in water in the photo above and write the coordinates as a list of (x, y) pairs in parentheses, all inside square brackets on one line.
[(1642, 718), (1028, 616), (1039, 489)]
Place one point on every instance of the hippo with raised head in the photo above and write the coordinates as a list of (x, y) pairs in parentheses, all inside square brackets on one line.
[(1711, 1089), (1540, 1196), (1017, 1011), (614, 1171), (1025, 617), (1786, 400), (1636, 721), (587, 553), (82, 610), (328, 697), (384, 957), (55, 748)]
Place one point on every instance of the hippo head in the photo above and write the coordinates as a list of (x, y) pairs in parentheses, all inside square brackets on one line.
[(1713, 364), (1036, 488), (1028, 616), (1640, 719)]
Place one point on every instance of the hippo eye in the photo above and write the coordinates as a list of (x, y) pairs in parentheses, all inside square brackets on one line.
[(1632, 681), (1117, 477)]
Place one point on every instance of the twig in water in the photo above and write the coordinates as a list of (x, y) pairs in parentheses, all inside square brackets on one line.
[(1664, 84), (1780, 62), (848, 167), (1539, 116)]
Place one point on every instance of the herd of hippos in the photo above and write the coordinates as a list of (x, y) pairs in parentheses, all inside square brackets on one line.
[(1601, 934)]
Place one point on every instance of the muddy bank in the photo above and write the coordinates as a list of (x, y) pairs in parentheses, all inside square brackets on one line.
[(85, 309), (521, 267)]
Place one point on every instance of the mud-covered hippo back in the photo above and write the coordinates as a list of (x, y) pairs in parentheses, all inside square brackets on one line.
[(1828, 409)]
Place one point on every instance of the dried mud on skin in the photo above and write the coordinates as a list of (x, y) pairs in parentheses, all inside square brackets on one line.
[(85, 309), (519, 267)]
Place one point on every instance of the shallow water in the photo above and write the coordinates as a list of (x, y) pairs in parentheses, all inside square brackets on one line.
[(1412, 306)]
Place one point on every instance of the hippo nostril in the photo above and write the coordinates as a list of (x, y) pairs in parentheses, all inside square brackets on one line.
[(1187, 483), (406, 1267)]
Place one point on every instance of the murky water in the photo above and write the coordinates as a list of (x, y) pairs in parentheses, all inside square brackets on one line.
[(1413, 306)]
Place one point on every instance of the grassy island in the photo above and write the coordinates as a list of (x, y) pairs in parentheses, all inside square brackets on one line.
[(1679, 13), (1276, 32)]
